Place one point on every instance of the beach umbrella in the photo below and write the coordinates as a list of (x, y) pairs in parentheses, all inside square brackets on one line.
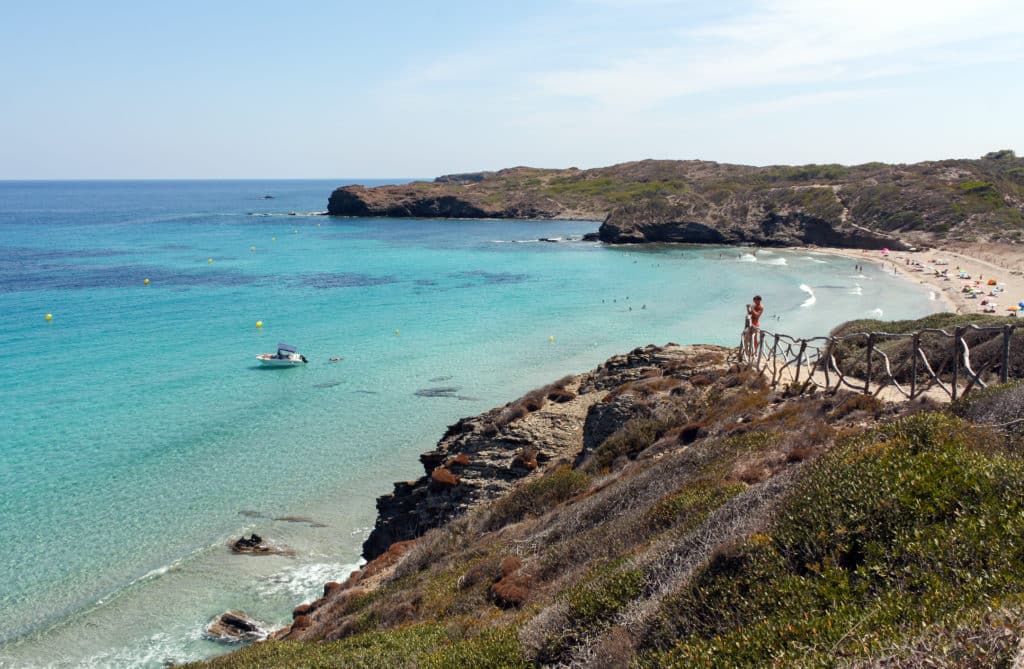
[(1021, 304), (991, 282), (1012, 308), (885, 252)]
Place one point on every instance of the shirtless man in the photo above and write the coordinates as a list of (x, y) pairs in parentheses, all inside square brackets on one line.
[(755, 312)]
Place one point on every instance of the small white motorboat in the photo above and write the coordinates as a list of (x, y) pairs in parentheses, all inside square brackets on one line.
[(286, 356)]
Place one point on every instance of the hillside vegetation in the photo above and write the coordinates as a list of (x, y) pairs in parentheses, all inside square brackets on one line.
[(869, 206), (706, 521)]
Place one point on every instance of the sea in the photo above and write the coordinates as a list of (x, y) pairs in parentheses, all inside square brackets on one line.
[(139, 435)]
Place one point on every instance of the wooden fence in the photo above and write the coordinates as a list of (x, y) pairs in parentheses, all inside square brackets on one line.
[(813, 361)]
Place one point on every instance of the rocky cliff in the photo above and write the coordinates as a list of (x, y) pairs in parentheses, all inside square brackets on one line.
[(863, 206), (669, 509)]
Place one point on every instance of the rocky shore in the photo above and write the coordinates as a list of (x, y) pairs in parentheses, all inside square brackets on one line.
[(669, 508), (481, 458), (870, 206)]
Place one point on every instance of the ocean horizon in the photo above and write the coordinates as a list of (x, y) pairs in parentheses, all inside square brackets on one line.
[(142, 435)]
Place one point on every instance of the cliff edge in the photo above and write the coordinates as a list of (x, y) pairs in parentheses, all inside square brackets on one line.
[(669, 509)]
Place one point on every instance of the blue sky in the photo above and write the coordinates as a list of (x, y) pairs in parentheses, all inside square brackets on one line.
[(392, 89)]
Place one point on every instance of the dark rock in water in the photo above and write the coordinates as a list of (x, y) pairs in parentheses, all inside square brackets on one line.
[(235, 627), (446, 391), (255, 545), (592, 237), (265, 197), (437, 379)]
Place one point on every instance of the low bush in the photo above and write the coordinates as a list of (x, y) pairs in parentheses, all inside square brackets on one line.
[(536, 496), (628, 441), (910, 525)]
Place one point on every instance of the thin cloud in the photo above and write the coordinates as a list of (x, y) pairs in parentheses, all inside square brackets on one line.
[(794, 42)]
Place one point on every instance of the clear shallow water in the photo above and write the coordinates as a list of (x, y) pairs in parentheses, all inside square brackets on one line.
[(138, 436)]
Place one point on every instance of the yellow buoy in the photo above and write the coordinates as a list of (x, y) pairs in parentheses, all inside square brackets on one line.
[(259, 324), (396, 330), (551, 338), (145, 282), (252, 248), (49, 317), (209, 260)]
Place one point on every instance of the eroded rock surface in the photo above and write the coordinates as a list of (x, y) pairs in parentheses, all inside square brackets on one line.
[(479, 458)]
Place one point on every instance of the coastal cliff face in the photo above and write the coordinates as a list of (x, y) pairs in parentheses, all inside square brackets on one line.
[(864, 206), (668, 509)]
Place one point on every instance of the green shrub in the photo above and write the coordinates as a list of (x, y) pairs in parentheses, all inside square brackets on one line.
[(599, 599), (907, 526), (691, 504), (537, 496), (635, 436)]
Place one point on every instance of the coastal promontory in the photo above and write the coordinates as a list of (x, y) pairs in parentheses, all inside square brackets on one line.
[(873, 205), (672, 508)]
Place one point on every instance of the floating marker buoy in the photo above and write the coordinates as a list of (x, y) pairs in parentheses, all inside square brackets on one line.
[(252, 248), (273, 239), (259, 324), (209, 260), (145, 282), (49, 317), (396, 331), (295, 232), (551, 338)]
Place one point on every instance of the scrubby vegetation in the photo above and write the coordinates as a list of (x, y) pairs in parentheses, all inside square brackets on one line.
[(986, 347), (927, 202), (725, 524)]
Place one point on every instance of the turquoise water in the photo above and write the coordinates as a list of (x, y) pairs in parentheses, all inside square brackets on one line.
[(139, 436)]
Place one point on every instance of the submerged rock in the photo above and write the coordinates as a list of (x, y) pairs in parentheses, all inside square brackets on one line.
[(235, 627)]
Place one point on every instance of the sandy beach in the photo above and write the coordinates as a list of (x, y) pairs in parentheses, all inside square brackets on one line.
[(993, 262)]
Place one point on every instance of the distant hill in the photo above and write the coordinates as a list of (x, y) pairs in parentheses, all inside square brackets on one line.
[(862, 206)]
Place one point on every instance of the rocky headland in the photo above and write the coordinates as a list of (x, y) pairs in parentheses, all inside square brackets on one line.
[(670, 509), (874, 205)]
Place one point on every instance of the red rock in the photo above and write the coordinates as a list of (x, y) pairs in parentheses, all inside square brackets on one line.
[(443, 477)]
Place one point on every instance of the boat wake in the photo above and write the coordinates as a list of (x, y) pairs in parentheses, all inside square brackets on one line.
[(810, 300), (775, 261), (748, 257), (856, 290)]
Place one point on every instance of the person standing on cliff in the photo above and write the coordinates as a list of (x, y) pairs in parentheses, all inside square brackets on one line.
[(754, 312)]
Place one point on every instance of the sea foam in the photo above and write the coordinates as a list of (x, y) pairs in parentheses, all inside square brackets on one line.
[(810, 300)]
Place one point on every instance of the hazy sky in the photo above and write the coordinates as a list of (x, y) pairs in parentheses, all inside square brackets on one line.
[(390, 89)]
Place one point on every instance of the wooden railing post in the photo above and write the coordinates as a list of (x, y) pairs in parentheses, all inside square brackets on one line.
[(1004, 360), (913, 364), (867, 375), (956, 360)]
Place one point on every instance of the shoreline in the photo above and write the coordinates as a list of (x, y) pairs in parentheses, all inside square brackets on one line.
[(948, 290)]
